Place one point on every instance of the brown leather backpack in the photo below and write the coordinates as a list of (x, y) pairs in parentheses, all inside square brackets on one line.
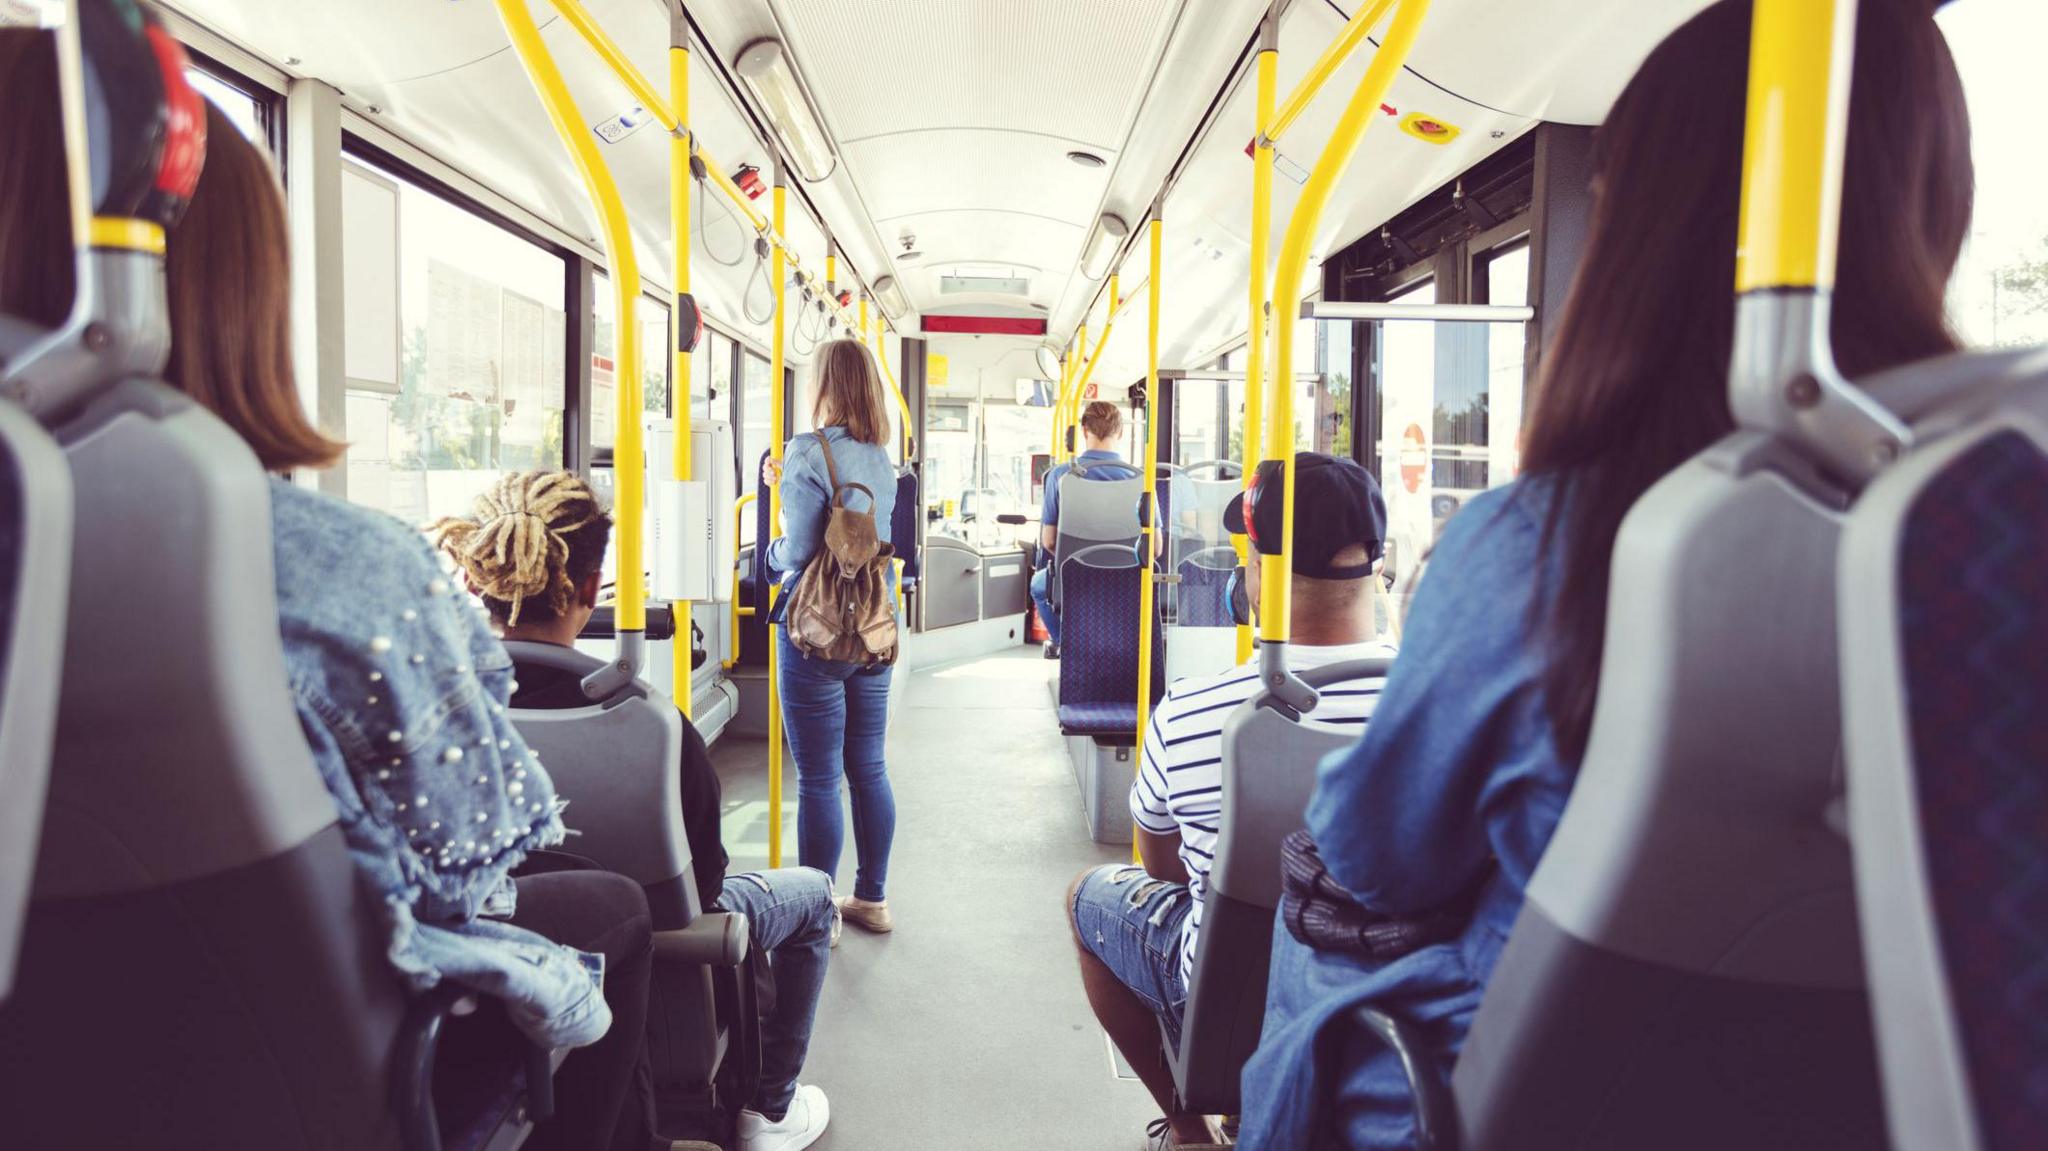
[(842, 608)]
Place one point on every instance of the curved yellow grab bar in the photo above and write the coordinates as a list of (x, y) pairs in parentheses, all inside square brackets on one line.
[(1088, 370), (739, 510), (1353, 34), (1276, 571), (628, 452)]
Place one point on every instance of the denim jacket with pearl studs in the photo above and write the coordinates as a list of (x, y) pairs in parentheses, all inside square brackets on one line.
[(401, 689)]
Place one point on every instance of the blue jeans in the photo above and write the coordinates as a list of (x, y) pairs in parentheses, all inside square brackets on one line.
[(837, 719), (1041, 594), (1132, 922), (789, 913)]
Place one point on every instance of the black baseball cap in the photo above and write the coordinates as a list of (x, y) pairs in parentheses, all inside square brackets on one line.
[(1336, 506)]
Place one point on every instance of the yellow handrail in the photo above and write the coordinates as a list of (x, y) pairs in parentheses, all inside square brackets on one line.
[(739, 508), (1255, 353), (777, 424), (1792, 151), (1348, 39), (636, 82), (1149, 529), (1088, 370), (1276, 571), (680, 669), (628, 452)]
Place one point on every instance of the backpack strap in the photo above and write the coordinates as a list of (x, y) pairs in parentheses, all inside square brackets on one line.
[(831, 469)]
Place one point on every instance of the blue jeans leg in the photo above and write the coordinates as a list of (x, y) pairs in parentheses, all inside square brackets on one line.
[(867, 777), (814, 719), (789, 913), (837, 717), (1041, 594)]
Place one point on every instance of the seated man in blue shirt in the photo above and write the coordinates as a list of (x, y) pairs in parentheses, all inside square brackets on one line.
[(1137, 926), (1101, 426)]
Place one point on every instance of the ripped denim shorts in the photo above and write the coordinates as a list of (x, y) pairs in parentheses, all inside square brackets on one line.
[(1132, 922)]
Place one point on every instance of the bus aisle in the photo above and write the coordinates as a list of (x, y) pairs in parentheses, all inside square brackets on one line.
[(965, 1028)]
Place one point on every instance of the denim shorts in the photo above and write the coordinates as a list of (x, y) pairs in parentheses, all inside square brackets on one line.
[(1132, 922)]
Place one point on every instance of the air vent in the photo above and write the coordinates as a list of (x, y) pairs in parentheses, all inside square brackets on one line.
[(995, 285)]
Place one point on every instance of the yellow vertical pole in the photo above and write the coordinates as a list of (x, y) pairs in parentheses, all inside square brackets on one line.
[(776, 427), (1276, 591), (863, 317), (1150, 526), (679, 185), (1255, 352)]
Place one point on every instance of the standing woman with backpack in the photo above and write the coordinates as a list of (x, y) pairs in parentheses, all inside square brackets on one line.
[(833, 667)]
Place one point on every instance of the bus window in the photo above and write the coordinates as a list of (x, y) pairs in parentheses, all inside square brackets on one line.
[(1334, 398), (1197, 420), (1999, 297), (711, 378), (243, 110), (655, 361), (755, 396), (481, 378)]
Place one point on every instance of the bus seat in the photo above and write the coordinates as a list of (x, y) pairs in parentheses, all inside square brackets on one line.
[(35, 579), (1205, 588), (1099, 625), (199, 963), (1943, 625), (906, 525), (1092, 513), (1269, 770), (199, 958), (618, 762), (1686, 971)]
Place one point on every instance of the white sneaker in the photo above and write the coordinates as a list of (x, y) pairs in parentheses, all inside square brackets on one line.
[(796, 1130), (838, 923)]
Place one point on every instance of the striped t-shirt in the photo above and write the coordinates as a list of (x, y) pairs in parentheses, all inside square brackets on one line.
[(1180, 780)]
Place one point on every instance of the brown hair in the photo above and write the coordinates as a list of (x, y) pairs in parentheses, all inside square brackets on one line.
[(229, 273), (532, 538), (1637, 380), (37, 280), (1102, 420), (849, 392)]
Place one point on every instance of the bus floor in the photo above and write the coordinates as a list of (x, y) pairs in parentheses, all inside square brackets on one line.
[(965, 1028)]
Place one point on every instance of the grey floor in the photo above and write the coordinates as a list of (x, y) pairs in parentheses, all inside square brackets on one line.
[(966, 1028)]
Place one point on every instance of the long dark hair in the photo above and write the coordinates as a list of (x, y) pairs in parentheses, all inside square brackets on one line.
[(850, 392), (228, 268), (1636, 381)]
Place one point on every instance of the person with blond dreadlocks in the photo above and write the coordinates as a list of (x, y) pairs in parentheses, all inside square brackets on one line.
[(533, 551)]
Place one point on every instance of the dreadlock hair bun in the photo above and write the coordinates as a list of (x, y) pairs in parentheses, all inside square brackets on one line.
[(531, 538)]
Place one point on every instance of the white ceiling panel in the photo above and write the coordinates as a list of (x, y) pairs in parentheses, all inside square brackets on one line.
[(1069, 69), (928, 171)]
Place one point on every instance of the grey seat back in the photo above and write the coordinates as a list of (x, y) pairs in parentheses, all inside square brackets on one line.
[(197, 934), (1093, 513), (1269, 771), (1686, 970), (618, 763), (35, 582), (1944, 618)]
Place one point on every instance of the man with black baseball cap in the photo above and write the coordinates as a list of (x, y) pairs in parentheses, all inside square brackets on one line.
[(1136, 926)]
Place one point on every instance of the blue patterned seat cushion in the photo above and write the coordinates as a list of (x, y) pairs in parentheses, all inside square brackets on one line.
[(1099, 718), (1973, 576)]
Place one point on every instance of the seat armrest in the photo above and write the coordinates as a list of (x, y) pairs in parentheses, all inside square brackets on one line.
[(1436, 1120), (713, 939)]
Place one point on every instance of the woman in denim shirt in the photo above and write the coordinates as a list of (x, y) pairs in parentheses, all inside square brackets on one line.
[(1454, 791), (837, 714), (401, 691)]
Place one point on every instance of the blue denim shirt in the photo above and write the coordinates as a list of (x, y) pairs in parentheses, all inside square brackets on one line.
[(1458, 771), (401, 689), (807, 495)]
